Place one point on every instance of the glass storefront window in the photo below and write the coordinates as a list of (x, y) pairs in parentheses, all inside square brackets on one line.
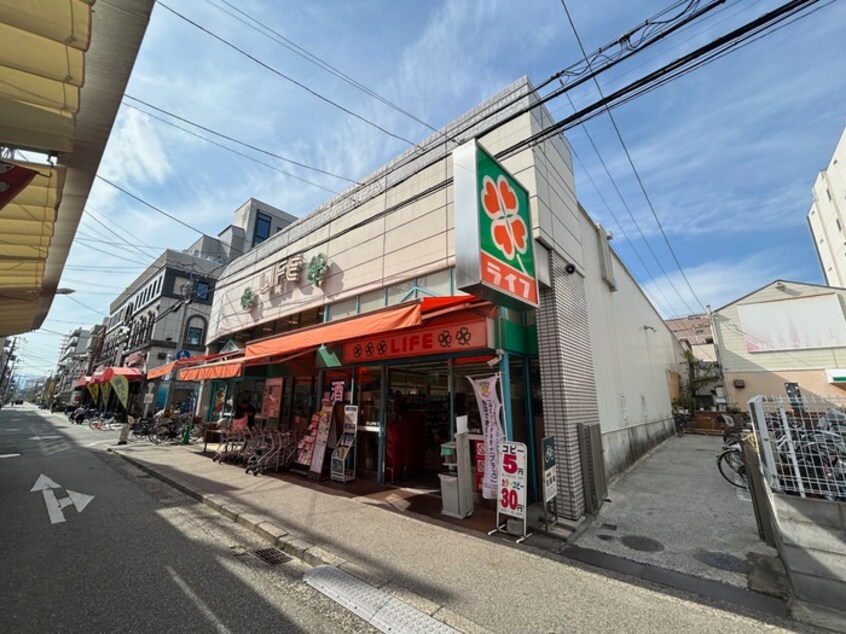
[(344, 308), (372, 300), (436, 283), (398, 292)]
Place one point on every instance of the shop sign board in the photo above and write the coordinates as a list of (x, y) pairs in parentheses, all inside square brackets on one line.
[(458, 337), (512, 479), (336, 391), (321, 438), (272, 399), (550, 477), (494, 247)]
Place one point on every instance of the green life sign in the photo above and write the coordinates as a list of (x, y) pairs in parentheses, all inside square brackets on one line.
[(493, 228)]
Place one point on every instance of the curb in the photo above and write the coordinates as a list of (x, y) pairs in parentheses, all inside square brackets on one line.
[(267, 530), (306, 552)]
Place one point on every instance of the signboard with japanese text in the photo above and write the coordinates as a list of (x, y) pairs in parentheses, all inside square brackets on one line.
[(321, 438), (550, 478), (494, 247), (272, 398), (457, 337), (512, 479), (336, 390)]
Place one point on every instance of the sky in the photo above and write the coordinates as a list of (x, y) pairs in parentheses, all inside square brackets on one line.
[(727, 154)]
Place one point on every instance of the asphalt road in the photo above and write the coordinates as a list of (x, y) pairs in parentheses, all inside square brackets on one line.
[(138, 557)]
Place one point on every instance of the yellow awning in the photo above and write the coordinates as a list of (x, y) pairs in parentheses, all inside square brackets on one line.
[(63, 70)]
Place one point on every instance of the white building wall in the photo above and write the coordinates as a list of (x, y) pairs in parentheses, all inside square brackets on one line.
[(633, 349), (827, 216)]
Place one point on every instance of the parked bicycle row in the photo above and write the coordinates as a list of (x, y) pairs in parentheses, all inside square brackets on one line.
[(805, 454)]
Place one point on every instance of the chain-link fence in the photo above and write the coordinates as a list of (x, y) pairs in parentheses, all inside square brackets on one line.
[(802, 443)]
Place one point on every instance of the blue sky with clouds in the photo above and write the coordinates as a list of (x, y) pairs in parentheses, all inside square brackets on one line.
[(727, 154)]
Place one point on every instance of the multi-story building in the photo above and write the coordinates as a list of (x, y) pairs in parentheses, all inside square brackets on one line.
[(74, 362), (395, 296), (164, 312), (827, 217)]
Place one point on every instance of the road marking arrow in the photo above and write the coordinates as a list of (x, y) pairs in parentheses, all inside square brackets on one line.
[(54, 504)]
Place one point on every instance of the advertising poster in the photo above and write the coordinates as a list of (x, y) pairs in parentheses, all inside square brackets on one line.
[(272, 399), (322, 437), (512, 479), (336, 391), (550, 478), (120, 385), (489, 409)]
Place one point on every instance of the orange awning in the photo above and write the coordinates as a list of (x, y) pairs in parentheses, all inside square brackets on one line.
[(181, 363), (223, 370), (231, 369), (401, 316)]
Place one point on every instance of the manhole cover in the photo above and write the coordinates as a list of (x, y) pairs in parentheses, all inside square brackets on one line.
[(644, 544), (271, 556), (722, 561)]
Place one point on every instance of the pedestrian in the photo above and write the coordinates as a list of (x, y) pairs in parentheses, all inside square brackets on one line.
[(78, 415), (245, 408)]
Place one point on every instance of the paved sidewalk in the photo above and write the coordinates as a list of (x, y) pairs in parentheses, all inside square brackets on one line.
[(472, 582), (673, 509)]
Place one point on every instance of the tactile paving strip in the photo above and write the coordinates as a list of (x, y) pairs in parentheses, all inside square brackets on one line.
[(375, 606)]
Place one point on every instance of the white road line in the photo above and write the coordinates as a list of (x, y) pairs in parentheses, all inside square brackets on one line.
[(9, 455)]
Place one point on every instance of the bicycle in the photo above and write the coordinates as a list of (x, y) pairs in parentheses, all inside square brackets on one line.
[(170, 429), (681, 421), (105, 421)]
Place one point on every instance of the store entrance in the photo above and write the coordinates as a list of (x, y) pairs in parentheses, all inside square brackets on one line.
[(417, 423)]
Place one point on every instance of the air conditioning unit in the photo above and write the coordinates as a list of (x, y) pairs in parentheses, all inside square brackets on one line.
[(593, 466), (739, 383), (162, 355)]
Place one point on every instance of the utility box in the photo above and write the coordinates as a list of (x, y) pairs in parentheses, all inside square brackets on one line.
[(457, 483)]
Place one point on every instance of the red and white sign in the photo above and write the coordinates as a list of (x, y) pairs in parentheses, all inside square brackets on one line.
[(508, 279), (512, 479), (455, 337), (13, 179)]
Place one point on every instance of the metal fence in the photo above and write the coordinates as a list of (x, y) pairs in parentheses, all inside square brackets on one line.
[(802, 442)]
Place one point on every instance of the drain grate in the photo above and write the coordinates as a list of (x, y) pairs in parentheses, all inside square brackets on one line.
[(271, 556)]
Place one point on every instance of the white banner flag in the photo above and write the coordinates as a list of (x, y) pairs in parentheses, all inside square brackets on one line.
[(489, 409)]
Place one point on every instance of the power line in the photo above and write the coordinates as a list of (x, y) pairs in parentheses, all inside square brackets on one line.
[(639, 180), (93, 214), (314, 59), (93, 310), (284, 76), (234, 140)]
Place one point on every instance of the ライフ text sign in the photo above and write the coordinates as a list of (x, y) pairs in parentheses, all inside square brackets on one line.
[(494, 248)]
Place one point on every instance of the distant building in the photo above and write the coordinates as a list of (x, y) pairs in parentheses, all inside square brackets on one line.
[(166, 308), (827, 217), (785, 339), (74, 362)]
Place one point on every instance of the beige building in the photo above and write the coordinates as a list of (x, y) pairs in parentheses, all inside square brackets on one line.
[(591, 350), (827, 217), (786, 339)]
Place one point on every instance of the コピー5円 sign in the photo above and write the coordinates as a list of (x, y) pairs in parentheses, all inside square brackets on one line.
[(494, 252)]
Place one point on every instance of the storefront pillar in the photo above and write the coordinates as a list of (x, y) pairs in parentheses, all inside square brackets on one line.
[(451, 392), (530, 430), (383, 424), (505, 386)]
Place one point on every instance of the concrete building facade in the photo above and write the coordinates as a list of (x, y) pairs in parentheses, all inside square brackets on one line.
[(593, 352), (827, 217), (785, 339)]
